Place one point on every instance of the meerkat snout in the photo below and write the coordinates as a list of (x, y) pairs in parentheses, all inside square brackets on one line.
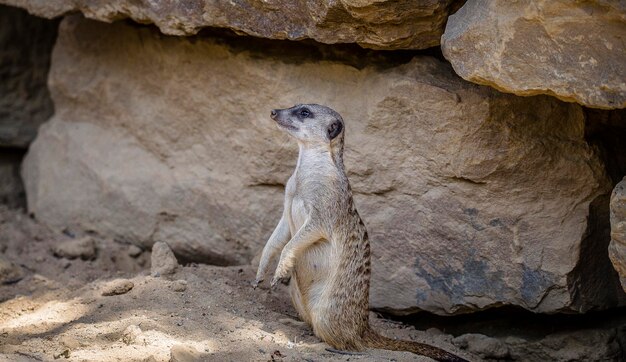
[(310, 123)]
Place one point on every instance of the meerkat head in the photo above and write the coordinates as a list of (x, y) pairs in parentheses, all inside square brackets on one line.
[(310, 123)]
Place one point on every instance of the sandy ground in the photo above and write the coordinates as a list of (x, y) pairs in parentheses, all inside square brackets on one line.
[(110, 308)]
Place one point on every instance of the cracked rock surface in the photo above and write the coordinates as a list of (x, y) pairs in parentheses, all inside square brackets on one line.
[(377, 24), (573, 50)]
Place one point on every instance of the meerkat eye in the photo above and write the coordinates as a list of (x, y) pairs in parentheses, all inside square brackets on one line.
[(304, 113)]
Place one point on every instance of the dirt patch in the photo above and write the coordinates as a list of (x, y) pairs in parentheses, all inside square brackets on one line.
[(98, 300), (84, 309)]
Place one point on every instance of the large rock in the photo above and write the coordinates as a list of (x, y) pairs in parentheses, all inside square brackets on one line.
[(473, 198), (379, 24), (25, 46), (573, 50), (617, 247)]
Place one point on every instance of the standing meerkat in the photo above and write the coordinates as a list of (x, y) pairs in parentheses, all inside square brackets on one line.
[(323, 242)]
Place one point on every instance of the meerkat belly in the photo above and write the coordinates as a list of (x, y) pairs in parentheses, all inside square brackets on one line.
[(311, 269), (310, 276)]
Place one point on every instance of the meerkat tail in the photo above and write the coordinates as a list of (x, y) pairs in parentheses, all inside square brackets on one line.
[(375, 340)]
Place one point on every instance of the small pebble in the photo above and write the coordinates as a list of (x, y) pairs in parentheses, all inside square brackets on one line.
[(179, 285), (64, 354), (131, 334), (134, 251), (182, 353), (84, 248), (117, 287)]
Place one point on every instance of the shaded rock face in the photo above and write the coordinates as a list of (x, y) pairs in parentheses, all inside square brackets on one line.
[(573, 50), (472, 198), (617, 247), (25, 47), (11, 187), (379, 24)]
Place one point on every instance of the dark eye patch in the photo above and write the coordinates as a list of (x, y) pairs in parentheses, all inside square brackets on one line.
[(303, 113)]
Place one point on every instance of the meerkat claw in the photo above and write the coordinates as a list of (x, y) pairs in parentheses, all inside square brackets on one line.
[(273, 282), (256, 282)]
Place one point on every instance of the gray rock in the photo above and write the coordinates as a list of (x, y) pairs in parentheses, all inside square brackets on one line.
[(483, 346), (380, 24), (163, 260), (573, 50), (588, 344), (579, 345), (467, 193), (25, 47), (84, 248), (617, 247)]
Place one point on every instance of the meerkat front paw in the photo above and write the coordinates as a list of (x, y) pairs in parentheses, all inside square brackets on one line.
[(282, 275)]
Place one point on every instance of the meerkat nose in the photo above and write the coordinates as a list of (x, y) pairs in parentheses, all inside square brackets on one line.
[(273, 113)]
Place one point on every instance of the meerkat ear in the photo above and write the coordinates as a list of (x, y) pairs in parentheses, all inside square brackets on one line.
[(334, 129)]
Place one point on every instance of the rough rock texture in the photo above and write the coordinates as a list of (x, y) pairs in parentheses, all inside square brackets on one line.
[(473, 198), (573, 50), (117, 287), (380, 24), (617, 247), (163, 260), (25, 47), (582, 345), (84, 248)]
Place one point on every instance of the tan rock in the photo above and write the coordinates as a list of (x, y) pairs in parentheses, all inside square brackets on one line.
[(184, 353), (379, 24), (84, 248), (163, 260), (472, 198), (117, 287), (132, 335), (617, 247), (573, 50)]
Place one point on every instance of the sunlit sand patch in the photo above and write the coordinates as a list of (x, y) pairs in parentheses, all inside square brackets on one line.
[(147, 343), (43, 318)]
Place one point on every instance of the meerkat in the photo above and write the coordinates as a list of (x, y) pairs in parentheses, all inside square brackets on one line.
[(323, 243)]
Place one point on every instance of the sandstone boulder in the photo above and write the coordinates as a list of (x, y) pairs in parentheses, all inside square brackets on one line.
[(573, 50), (617, 247), (473, 198), (380, 24)]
